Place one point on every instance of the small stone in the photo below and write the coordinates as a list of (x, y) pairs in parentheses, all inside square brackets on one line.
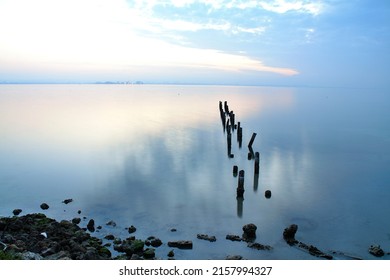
[(149, 253), (67, 201), (171, 254), (206, 237), (109, 237), (91, 225), (376, 251), (233, 237), (267, 194), (132, 229), (234, 257), (259, 246), (111, 223), (44, 206), (181, 244), (79, 212), (173, 230), (16, 212)]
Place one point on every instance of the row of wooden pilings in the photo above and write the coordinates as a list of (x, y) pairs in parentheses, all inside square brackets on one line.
[(228, 119)]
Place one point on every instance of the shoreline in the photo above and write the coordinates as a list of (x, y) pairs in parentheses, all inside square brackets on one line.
[(35, 236)]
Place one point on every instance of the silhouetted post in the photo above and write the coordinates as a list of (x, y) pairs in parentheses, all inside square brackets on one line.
[(251, 153), (228, 126), (220, 107), (232, 116), (239, 136), (229, 144), (235, 170), (252, 139), (240, 187), (257, 161), (226, 107), (255, 182)]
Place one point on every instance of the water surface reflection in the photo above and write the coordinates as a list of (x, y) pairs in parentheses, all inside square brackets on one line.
[(155, 157)]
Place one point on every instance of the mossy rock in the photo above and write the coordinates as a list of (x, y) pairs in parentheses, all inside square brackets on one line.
[(137, 245), (149, 253), (7, 256), (104, 252)]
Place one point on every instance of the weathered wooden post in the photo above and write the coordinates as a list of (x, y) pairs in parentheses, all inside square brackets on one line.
[(252, 139), (255, 182), (251, 154), (240, 187), (235, 170), (257, 162), (232, 116), (226, 107), (229, 144), (220, 107)]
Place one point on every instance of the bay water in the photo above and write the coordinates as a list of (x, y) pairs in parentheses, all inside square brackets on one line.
[(155, 157)]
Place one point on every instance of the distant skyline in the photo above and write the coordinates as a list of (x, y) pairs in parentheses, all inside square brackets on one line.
[(280, 42)]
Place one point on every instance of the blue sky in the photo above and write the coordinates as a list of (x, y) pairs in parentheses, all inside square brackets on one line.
[(277, 42)]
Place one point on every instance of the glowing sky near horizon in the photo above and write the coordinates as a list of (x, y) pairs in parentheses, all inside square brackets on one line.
[(293, 42)]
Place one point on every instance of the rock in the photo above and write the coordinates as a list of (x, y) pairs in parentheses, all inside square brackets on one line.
[(109, 237), (111, 223), (234, 257), (117, 241), (79, 212), (67, 201), (267, 194), (376, 251), (44, 206), (181, 244), (259, 246), (153, 241), (149, 253), (130, 247), (91, 225), (16, 212), (233, 237), (3, 225), (289, 234), (173, 230), (76, 221), (29, 256), (64, 240), (249, 232), (206, 237), (171, 254), (132, 229)]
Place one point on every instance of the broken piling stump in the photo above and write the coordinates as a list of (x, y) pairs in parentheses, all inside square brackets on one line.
[(252, 139)]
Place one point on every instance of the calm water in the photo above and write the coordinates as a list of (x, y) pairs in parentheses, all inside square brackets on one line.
[(156, 157)]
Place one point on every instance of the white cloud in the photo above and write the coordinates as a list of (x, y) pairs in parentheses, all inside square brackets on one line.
[(98, 34), (284, 6)]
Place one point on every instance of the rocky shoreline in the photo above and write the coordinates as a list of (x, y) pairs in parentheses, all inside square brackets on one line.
[(38, 237)]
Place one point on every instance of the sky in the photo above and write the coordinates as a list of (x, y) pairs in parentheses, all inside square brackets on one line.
[(332, 43)]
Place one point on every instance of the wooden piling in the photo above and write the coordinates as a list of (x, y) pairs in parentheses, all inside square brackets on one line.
[(226, 107), (240, 187), (235, 170), (257, 163), (229, 144), (255, 182), (252, 139)]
